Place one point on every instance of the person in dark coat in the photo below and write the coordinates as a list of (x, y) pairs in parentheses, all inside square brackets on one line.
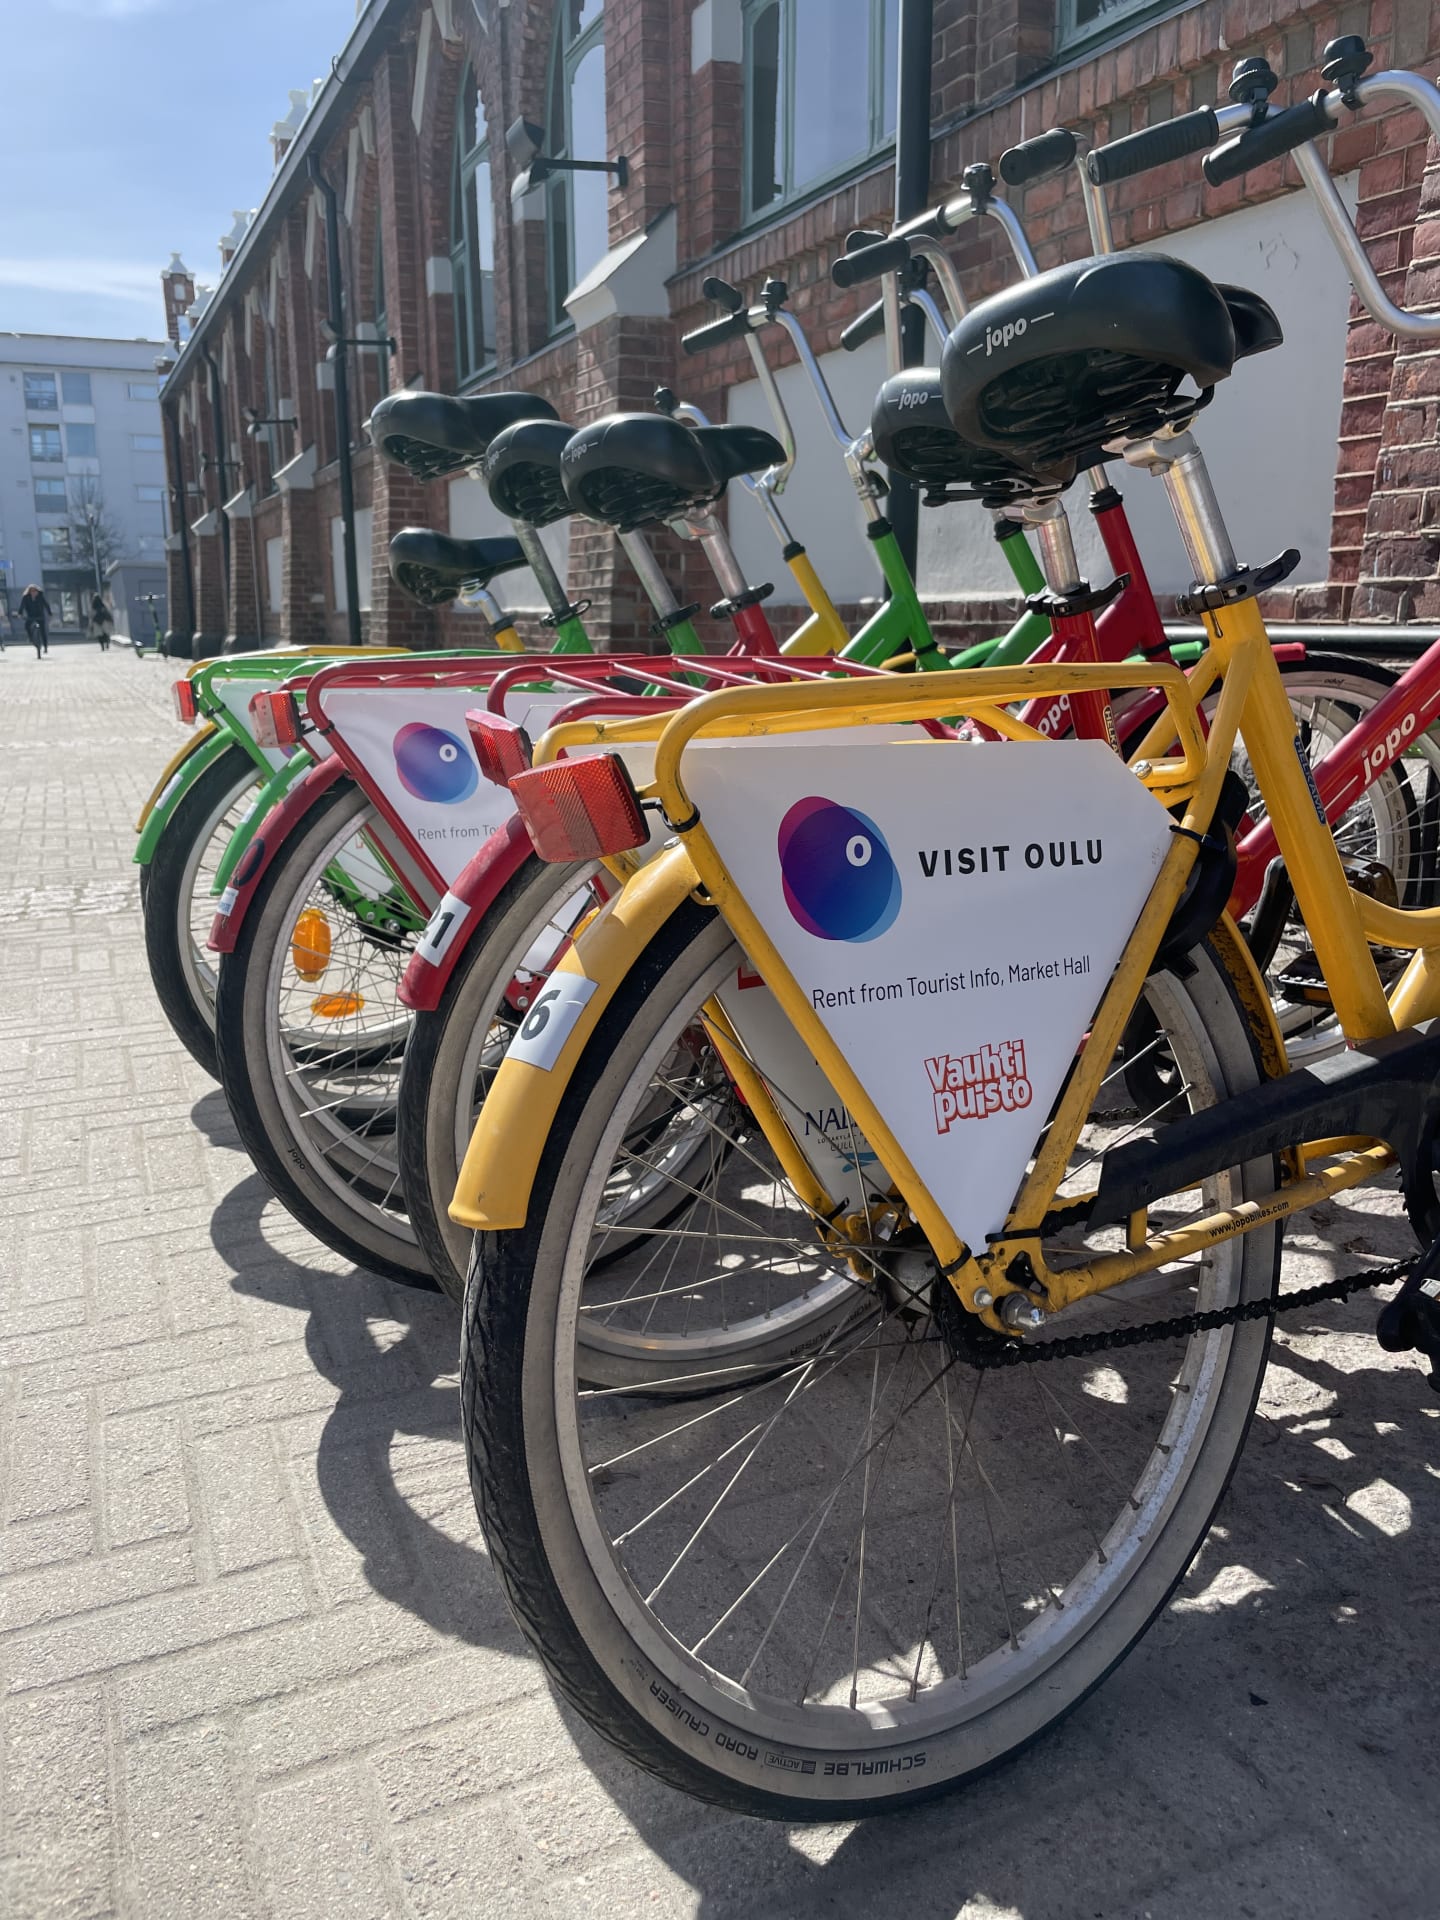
[(35, 612), (101, 621)]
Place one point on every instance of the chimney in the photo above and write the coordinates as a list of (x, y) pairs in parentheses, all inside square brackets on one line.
[(178, 287)]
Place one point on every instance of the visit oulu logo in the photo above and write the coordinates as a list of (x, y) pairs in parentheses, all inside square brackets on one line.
[(434, 765), (839, 877)]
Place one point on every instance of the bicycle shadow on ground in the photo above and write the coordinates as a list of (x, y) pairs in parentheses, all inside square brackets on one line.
[(1260, 1751)]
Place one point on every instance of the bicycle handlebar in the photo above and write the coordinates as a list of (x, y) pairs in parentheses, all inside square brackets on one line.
[(1153, 147), (1276, 134), (715, 332), (870, 262), (865, 327), (1031, 160)]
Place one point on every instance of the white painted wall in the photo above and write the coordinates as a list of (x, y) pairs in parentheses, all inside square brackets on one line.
[(1269, 435), (473, 516), (364, 526)]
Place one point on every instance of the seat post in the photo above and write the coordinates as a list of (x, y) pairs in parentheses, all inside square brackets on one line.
[(1057, 545), (541, 566), (657, 588), (1180, 464)]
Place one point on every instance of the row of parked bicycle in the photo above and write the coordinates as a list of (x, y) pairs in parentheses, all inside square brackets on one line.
[(767, 1047)]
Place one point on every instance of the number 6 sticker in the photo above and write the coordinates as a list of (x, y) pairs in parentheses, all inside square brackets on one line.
[(551, 1019)]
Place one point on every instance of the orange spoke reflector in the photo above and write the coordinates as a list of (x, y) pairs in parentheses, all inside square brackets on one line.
[(335, 1006), (310, 945)]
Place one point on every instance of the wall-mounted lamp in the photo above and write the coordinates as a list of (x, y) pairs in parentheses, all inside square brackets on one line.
[(523, 143), (387, 346), (256, 422)]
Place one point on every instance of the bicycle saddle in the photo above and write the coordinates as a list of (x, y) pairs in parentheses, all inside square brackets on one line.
[(1256, 328), (432, 567), (1087, 353), (434, 434), (522, 470), (913, 436), (632, 467)]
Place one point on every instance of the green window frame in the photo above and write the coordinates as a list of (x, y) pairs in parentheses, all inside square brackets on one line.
[(807, 96), (472, 238), (577, 205)]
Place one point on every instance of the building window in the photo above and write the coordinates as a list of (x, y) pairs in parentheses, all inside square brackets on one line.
[(55, 549), (153, 496), (577, 205), (142, 390), (80, 441), (819, 91), (75, 389), (472, 237), (147, 443), (45, 443), (69, 601), (40, 394), (51, 497), (1083, 19)]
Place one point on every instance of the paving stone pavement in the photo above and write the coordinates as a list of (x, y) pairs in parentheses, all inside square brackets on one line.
[(252, 1658)]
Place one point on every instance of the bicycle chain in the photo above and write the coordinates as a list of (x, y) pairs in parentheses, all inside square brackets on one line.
[(1012, 1353)]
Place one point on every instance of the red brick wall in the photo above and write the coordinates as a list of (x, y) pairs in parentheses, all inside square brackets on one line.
[(997, 78)]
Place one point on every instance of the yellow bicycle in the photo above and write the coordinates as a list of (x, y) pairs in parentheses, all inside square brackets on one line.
[(986, 1254)]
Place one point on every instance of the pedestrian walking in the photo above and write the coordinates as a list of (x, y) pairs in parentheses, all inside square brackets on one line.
[(100, 623), (35, 612)]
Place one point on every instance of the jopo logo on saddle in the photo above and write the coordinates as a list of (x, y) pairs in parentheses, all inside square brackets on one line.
[(959, 1002)]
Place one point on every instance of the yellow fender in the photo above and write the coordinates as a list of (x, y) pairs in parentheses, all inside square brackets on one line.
[(202, 733), (493, 1191)]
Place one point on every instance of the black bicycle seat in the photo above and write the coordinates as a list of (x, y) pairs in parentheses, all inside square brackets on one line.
[(1085, 354), (630, 468), (913, 436), (435, 434), (522, 470), (1256, 328), (432, 567)]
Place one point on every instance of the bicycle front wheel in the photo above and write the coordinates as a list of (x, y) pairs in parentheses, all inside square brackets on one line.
[(855, 1576)]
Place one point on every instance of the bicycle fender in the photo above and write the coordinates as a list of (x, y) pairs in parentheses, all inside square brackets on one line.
[(498, 1173), (202, 750), (269, 837), (487, 870), (271, 793), (1234, 955)]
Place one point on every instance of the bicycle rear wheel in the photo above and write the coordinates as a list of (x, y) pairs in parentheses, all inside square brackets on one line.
[(178, 904), (311, 1033), (854, 1572)]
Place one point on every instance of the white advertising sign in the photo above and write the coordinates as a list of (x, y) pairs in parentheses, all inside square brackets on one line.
[(414, 746), (952, 911)]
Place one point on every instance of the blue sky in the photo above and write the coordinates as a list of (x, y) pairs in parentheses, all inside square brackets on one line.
[(134, 127)]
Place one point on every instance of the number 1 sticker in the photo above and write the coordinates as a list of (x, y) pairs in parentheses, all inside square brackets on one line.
[(551, 1020), (441, 929)]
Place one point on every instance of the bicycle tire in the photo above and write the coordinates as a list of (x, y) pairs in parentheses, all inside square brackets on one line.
[(184, 977), (537, 1496), (362, 1219)]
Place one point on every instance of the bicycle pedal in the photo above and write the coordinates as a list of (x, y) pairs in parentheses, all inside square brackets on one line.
[(1411, 1321), (1302, 983), (1372, 878)]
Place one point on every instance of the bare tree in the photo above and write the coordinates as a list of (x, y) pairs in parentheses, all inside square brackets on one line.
[(95, 540)]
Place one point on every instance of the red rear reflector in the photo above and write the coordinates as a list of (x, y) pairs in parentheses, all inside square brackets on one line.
[(501, 746), (276, 719), (580, 809), (185, 706)]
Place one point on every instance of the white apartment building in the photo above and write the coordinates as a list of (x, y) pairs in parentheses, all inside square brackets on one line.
[(80, 443)]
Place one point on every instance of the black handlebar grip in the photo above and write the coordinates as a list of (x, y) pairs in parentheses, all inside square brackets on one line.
[(1277, 134), (868, 263), (715, 332), (722, 293), (864, 327), (1153, 146), (1033, 159)]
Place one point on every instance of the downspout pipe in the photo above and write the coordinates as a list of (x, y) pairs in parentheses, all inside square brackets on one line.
[(222, 465), (181, 519), (335, 297), (912, 191)]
